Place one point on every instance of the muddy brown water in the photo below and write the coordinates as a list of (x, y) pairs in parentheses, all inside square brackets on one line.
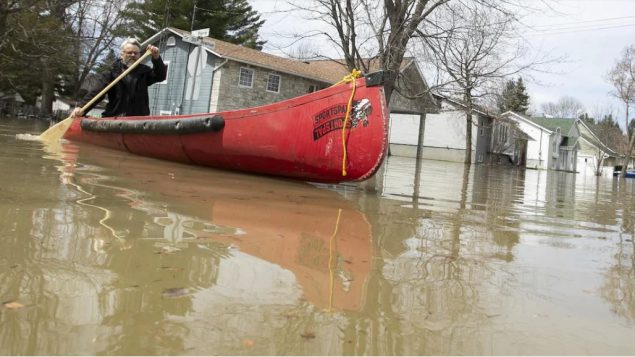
[(103, 253)]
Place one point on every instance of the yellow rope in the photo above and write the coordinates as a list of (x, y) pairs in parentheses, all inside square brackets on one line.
[(349, 78), (331, 267)]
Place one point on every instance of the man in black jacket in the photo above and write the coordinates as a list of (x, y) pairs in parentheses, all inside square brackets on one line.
[(129, 96)]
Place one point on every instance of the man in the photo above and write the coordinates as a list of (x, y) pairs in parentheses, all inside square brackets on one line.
[(129, 96)]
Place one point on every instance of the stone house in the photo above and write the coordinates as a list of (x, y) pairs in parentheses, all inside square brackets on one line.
[(208, 75)]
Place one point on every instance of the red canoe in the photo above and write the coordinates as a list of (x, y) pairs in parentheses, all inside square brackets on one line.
[(300, 138)]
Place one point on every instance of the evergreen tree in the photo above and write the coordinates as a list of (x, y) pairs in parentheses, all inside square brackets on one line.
[(587, 119), (514, 97), (229, 20), (40, 39), (609, 121)]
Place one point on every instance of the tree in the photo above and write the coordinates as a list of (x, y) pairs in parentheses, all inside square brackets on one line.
[(64, 39), (608, 133), (39, 38), (565, 107), (622, 77), (514, 97), (587, 119), (229, 20), (475, 47), (97, 26), (368, 32)]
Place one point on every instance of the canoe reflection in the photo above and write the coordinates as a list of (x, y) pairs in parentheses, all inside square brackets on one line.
[(314, 233)]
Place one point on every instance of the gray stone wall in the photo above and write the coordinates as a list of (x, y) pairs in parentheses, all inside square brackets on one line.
[(232, 96)]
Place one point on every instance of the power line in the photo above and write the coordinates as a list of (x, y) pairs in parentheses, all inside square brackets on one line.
[(586, 21), (559, 31)]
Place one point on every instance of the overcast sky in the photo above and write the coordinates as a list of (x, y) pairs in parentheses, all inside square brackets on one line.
[(591, 34)]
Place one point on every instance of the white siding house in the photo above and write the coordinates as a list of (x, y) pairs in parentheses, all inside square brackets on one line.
[(539, 140), (444, 134)]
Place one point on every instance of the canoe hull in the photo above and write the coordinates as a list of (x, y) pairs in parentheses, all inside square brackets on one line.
[(300, 138)]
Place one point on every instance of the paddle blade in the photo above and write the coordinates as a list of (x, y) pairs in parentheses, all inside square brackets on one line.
[(57, 131)]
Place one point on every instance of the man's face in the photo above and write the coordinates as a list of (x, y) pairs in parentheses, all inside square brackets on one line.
[(129, 54)]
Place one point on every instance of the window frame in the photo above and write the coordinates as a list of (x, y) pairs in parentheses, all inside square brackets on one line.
[(240, 77), (269, 76)]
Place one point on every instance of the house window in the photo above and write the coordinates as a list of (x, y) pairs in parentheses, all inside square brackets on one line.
[(246, 78), (167, 73), (481, 131), (502, 134), (273, 83), (313, 88)]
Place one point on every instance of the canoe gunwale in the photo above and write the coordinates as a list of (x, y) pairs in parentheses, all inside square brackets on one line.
[(153, 126)]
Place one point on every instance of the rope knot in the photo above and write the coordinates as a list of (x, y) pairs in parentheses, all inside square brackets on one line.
[(355, 73)]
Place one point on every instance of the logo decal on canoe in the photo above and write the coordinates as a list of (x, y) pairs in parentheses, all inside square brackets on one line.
[(332, 118)]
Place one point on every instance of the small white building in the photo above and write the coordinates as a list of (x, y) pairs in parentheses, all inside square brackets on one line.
[(444, 133)]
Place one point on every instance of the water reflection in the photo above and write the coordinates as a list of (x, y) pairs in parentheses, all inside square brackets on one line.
[(163, 251), (117, 254), (456, 239)]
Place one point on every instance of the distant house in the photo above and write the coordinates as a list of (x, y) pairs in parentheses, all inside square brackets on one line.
[(594, 154), (61, 106), (11, 103), (444, 134), (552, 144)]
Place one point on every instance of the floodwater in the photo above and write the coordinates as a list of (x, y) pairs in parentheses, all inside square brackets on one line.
[(105, 253)]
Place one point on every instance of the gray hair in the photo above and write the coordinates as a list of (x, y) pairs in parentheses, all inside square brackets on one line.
[(130, 41)]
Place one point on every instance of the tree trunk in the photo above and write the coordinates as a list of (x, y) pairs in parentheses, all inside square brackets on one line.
[(629, 152), (48, 91), (468, 128), (422, 129), (600, 163)]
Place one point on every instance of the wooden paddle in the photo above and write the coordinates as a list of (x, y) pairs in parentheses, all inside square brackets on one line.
[(58, 130)]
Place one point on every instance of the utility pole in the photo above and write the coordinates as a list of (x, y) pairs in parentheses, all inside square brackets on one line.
[(193, 17)]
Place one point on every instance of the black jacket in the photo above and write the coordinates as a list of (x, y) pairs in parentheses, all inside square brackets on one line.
[(129, 96)]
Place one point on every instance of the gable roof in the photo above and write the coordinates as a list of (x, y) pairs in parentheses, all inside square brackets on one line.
[(12, 96), (525, 119), (591, 136), (321, 71), (552, 124)]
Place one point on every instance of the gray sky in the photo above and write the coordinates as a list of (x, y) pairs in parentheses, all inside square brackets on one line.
[(590, 34)]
